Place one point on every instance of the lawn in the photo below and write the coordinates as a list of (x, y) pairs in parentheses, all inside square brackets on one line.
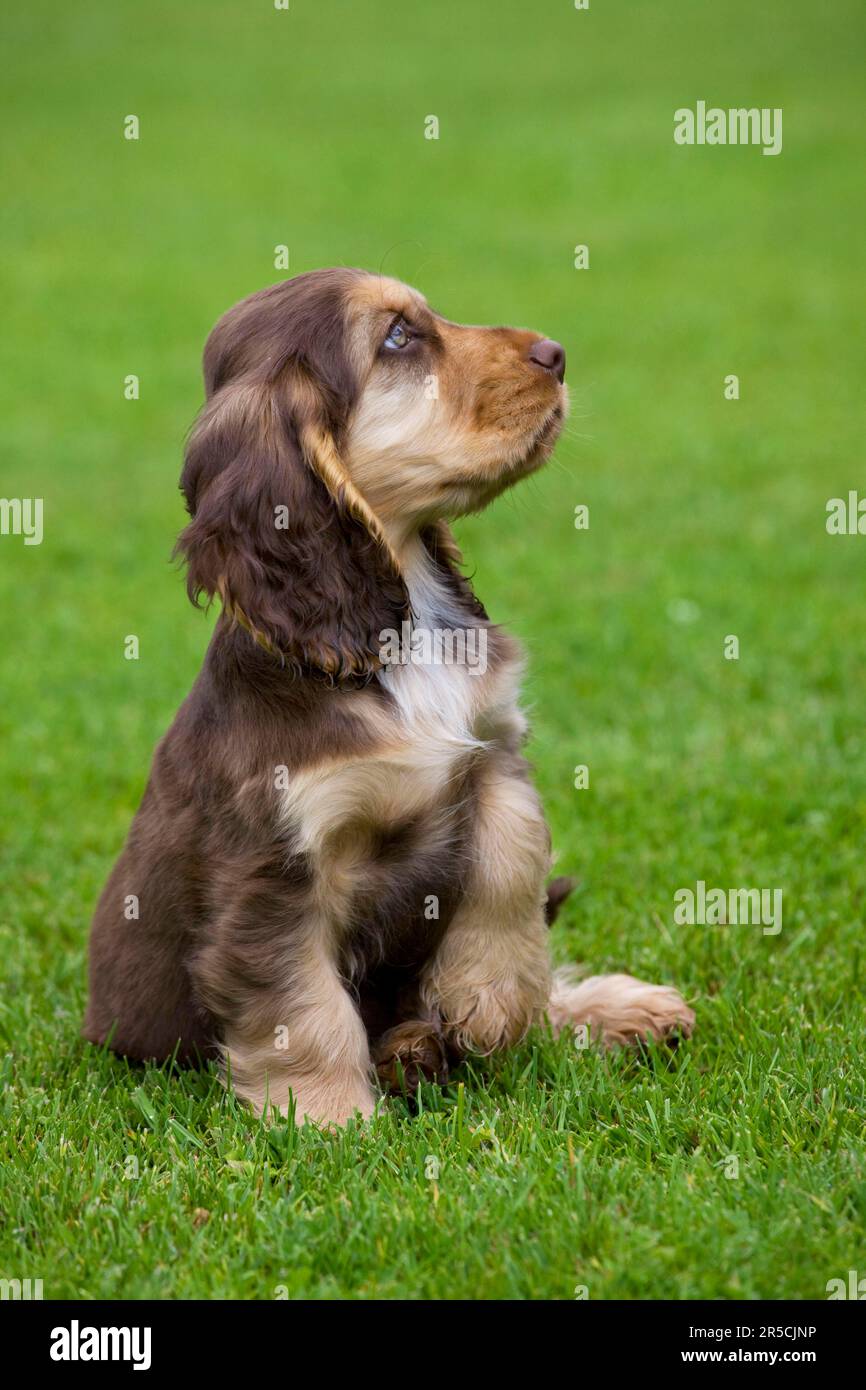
[(735, 1168)]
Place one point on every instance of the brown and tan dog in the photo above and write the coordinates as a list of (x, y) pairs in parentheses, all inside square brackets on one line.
[(339, 862)]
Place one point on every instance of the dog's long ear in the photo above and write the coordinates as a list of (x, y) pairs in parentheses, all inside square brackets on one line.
[(280, 534)]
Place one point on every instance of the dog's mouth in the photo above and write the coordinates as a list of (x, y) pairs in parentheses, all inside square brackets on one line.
[(548, 434), (474, 491), (541, 442), (534, 454)]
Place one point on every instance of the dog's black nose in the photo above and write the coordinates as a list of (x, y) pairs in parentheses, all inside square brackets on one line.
[(550, 355)]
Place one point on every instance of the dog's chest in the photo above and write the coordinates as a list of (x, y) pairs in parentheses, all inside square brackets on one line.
[(444, 703), (437, 725)]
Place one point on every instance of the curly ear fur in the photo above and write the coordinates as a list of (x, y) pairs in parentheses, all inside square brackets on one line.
[(278, 530)]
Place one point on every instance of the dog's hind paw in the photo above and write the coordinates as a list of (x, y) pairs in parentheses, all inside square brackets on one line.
[(618, 1009)]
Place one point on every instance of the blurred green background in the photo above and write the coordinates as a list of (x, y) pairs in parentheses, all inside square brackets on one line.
[(306, 128)]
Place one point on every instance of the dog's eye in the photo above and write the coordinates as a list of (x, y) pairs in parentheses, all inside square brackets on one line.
[(398, 336)]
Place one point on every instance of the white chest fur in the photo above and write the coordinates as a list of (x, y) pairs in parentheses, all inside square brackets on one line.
[(442, 715)]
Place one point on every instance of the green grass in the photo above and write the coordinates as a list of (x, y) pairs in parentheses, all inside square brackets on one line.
[(557, 1167)]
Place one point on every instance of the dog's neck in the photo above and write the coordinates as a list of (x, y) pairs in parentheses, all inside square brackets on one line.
[(430, 600)]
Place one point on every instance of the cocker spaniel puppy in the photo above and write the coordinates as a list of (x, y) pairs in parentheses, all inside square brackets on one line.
[(339, 862)]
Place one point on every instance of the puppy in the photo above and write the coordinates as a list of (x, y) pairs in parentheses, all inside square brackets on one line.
[(339, 861)]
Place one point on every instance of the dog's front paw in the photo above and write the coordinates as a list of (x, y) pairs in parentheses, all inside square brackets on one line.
[(410, 1053), (618, 1009), (492, 1017)]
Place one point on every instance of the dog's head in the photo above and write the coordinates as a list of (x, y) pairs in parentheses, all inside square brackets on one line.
[(342, 417)]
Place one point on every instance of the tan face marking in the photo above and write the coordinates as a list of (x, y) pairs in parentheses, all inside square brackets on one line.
[(446, 422)]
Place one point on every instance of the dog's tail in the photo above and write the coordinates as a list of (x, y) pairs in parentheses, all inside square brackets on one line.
[(557, 891)]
